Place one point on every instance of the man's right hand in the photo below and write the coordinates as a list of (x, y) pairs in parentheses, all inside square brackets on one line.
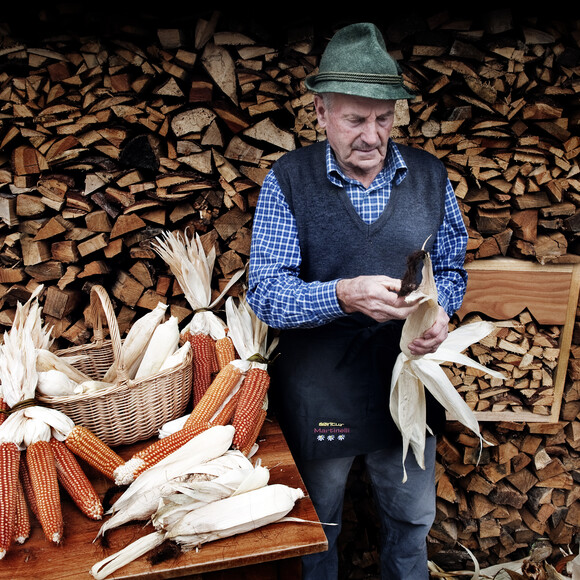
[(375, 296)]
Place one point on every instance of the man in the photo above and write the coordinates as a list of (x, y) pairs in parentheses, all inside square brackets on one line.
[(334, 225)]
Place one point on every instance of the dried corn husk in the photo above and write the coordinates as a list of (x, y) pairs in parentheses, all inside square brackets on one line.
[(18, 366), (503, 571), (209, 444), (144, 505), (123, 557), (91, 386), (248, 333), (47, 360), (163, 343), (176, 358), (28, 318), (235, 514), (193, 270), (54, 383), (411, 373), (179, 498), (136, 342)]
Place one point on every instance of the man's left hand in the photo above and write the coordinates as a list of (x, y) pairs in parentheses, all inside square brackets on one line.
[(432, 337)]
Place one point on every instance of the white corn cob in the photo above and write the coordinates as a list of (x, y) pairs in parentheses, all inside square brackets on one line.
[(137, 340), (180, 498), (55, 383), (234, 515), (163, 343), (47, 360), (143, 505), (208, 445), (176, 358), (219, 519)]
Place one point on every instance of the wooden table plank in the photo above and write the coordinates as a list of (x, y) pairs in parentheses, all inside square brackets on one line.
[(38, 559)]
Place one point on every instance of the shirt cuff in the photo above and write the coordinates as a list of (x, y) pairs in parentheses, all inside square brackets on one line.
[(324, 297)]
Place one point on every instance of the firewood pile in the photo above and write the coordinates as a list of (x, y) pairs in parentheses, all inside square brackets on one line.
[(108, 140)]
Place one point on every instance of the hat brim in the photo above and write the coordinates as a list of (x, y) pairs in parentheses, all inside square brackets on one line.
[(386, 92)]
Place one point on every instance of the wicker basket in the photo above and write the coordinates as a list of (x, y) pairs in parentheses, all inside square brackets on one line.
[(129, 411)]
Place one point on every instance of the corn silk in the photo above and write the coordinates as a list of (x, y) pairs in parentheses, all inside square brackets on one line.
[(413, 373)]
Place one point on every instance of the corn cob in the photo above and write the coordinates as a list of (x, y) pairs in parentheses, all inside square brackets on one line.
[(3, 409), (234, 515), (248, 445), (47, 360), (9, 460), (225, 351), (179, 497), (163, 343), (248, 410), (205, 364), (42, 469), (27, 488), (225, 413), (75, 482), (223, 384), (155, 452), (86, 445), (22, 524), (209, 444)]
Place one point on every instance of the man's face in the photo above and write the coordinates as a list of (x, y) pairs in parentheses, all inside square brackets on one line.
[(358, 130)]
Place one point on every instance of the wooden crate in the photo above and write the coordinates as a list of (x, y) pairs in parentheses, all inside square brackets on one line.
[(502, 288)]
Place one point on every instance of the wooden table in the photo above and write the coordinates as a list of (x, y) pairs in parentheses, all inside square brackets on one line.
[(38, 559)]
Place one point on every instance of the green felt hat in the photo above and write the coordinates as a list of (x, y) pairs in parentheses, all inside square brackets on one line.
[(356, 62)]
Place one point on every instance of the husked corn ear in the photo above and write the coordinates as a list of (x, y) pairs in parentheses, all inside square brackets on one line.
[(223, 384), (75, 482), (3, 410), (225, 413), (9, 460), (22, 523), (248, 445), (27, 488), (205, 363), (225, 351), (234, 515), (248, 410), (155, 452), (42, 469), (86, 445)]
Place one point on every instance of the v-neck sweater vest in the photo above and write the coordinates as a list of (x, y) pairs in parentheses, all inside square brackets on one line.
[(330, 384)]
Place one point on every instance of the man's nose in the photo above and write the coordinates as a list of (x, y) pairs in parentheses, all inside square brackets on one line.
[(370, 133)]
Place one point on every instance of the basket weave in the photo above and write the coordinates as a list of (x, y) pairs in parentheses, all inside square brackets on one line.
[(130, 410)]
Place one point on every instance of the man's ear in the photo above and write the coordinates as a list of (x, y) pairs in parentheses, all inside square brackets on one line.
[(321, 110)]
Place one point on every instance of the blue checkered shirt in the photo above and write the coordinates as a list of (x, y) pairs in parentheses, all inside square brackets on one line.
[(282, 300)]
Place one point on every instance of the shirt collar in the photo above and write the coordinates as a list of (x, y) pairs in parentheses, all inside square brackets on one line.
[(394, 168)]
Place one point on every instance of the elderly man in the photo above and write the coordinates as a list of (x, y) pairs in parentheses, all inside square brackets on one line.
[(334, 225)]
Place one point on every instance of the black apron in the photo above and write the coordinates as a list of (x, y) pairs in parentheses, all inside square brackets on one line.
[(336, 403)]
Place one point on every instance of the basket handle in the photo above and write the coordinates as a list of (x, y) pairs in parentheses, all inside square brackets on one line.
[(101, 303)]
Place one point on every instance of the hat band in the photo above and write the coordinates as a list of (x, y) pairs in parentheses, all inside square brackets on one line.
[(368, 78)]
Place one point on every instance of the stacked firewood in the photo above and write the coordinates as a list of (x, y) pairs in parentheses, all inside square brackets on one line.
[(526, 353), (108, 140)]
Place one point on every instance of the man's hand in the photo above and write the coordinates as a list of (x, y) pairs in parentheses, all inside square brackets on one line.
[(432, 337), (375, 296)]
